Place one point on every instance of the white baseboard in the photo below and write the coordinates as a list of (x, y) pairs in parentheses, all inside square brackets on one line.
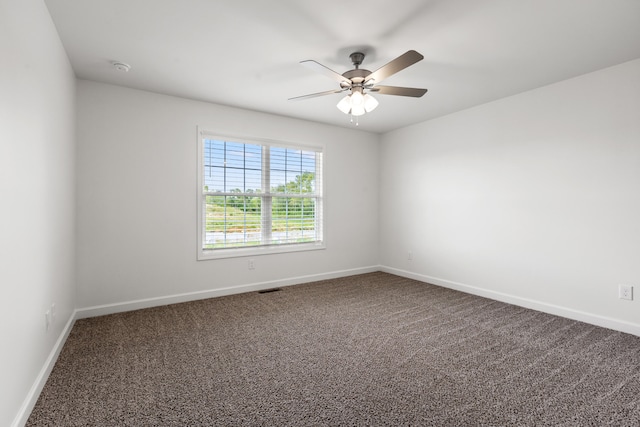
[(593, 319), (32, 397), (101, 310)]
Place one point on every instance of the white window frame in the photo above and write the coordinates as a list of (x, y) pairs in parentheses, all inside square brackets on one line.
[(207, 254)]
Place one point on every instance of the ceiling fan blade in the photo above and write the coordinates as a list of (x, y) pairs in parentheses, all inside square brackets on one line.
[(313, 95), (400, 63), (400, 91), (316, 66)]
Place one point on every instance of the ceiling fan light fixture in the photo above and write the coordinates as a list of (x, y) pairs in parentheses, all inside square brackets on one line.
[(357, 104), (345, 104), (357, 99), (357, 110), (370, 103)]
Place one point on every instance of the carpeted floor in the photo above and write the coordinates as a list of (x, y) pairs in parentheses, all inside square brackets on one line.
[(373, 349)]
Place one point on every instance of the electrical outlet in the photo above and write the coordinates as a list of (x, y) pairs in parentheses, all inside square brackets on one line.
[(252, 265), (625, 292), (53, 312), (410, 256)]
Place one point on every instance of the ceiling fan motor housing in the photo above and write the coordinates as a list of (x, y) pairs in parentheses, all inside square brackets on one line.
[(356, 76)]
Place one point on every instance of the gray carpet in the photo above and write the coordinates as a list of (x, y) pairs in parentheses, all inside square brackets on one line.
[(373, 349)]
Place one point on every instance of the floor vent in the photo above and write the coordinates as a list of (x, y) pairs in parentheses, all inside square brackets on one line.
[(266, 291)]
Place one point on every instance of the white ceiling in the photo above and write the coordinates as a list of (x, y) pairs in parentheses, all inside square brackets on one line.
[(246, 53)]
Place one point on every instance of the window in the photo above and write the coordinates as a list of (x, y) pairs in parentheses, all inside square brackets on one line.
[(257, 197)]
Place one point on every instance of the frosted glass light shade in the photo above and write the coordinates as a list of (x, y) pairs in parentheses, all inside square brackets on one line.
[(357, 99), (370, 103), (345, 104), (357, 110)]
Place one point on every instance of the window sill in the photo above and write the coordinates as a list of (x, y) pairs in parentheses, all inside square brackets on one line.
[(204, 255)]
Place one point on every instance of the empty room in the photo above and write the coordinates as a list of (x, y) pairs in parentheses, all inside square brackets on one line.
[(420, 212)]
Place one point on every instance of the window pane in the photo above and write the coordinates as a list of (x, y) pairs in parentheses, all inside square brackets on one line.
[(232, 221), (253, 157), (234, 155), (294, 160), (307, 182), (278, 181), (215, 149), (214, 221), (293, 220), (231, 166), (278, 158), (308, 161), (253, 181), (213, 165), (292, 171)]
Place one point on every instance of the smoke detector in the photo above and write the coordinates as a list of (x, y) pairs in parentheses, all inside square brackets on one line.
[(121, 66)]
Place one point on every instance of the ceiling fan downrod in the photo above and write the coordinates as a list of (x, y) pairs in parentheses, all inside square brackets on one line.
[(357, 58)]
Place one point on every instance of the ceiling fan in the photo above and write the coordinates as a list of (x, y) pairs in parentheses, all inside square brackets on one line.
[(360, 82)]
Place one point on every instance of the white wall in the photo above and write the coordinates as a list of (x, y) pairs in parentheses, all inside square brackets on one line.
[(534, 199), (37, 188), (137, 188)]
